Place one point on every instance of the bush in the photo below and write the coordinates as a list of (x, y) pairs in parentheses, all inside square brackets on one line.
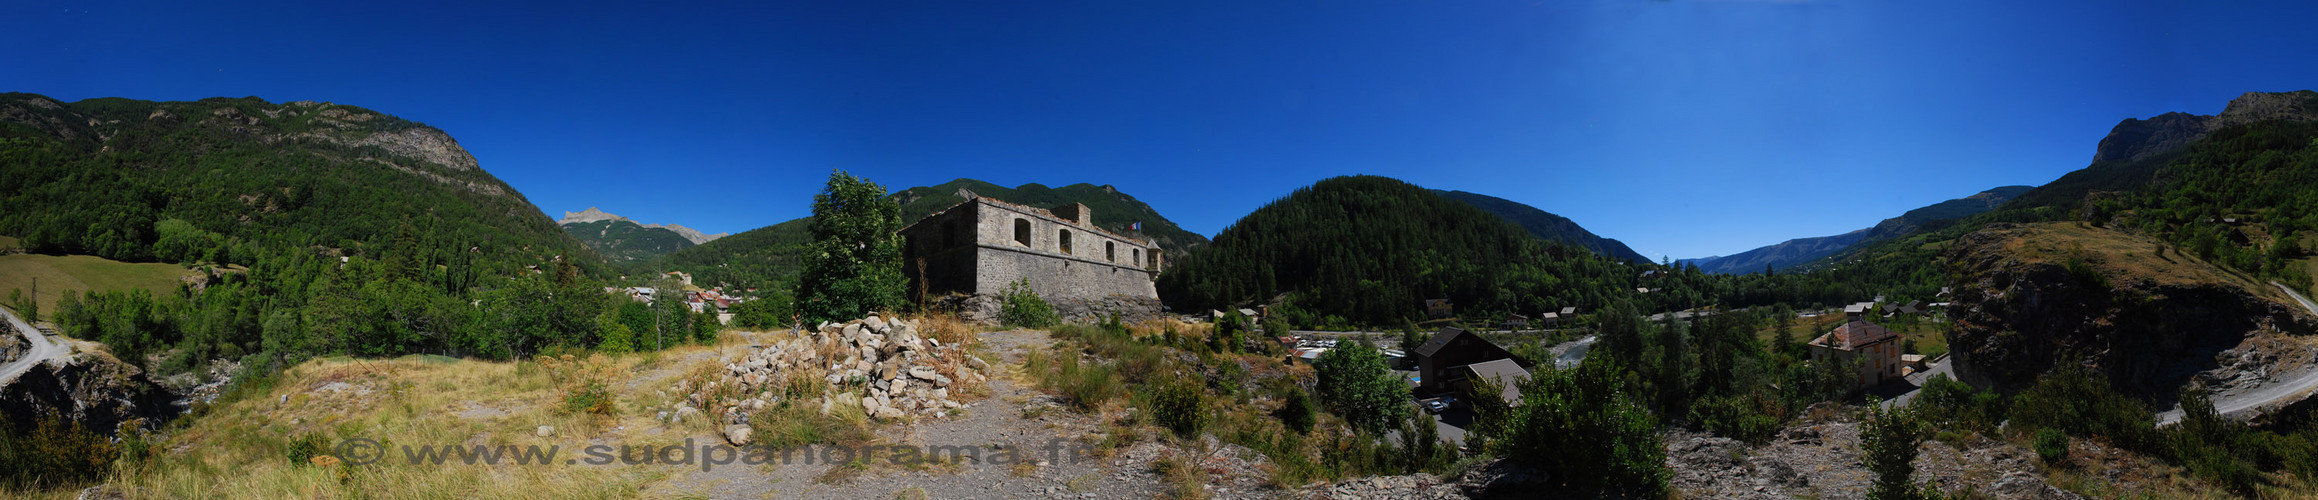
[(56, 452), (853, 266), (2073, 400), (302, 449), (1579, 426), (1949, 403), (1179, 404), (1086, 385), (2052, 446), (1022, 307), (591, 397), (1296, 411), (1889, 440), (1737, 416)]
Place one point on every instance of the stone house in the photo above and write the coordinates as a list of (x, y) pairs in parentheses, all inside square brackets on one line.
[(976, 248), (1875, 348)]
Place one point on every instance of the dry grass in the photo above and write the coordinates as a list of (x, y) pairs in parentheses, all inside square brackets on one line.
[(2125, 258), (239, 449)]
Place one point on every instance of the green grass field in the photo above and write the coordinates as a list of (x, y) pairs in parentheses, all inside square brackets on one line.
[(80, 273)]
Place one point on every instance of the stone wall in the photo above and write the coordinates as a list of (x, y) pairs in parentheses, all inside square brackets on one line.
[(981, 246)]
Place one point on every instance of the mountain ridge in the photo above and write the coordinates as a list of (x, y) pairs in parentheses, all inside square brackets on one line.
[(1547, 225), (1800, 251)]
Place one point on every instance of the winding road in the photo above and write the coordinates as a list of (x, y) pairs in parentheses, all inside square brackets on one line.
[(2301, 386), (41, 349)]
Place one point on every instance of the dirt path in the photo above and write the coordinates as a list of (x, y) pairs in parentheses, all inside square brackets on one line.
[(993, 425)]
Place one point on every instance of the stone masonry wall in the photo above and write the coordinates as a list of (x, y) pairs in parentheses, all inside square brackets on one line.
[(978, 248)]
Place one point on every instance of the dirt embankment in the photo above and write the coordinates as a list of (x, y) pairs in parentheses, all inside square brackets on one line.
[(2140, 312)]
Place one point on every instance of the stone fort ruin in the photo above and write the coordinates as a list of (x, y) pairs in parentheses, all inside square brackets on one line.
[(963, 257)]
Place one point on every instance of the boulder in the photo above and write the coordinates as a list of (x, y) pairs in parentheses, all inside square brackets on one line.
[(545, 431), (738, 434)]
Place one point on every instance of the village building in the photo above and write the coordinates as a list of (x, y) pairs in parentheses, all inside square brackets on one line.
[(1508, 374), (972, 251), (1874, 349), (1442, 361)]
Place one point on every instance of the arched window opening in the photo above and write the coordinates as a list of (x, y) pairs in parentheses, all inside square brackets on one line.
[(1022, 231), (1110, 251)]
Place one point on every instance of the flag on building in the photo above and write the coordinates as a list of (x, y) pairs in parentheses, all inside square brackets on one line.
[(1137, 226)]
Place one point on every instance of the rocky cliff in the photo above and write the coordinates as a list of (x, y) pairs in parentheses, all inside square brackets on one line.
[(90, 388), (2149, 317), (2136, 139)]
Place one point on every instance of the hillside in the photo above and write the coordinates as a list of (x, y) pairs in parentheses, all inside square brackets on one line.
[(1546, 225), (1372, 249), (623, 240), (218, 180), (1800, 251), (769, 254), (2146, 314)]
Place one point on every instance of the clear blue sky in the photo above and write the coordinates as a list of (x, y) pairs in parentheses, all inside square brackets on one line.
[(1685, 128)]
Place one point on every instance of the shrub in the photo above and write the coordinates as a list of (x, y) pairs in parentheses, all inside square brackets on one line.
[(853, 265), (1086, 385), (1738, 416), (2052, 446), (2075, 401), (1889, 440), (1949, 403), (1177, 403), (1578, 425), (1296, 411), (304, 447), (589, 397), (55, 452), (1022, 307)]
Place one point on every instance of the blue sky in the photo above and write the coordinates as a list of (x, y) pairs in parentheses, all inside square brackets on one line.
[(1684, 128)]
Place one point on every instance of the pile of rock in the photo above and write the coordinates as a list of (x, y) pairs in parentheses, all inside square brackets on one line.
[(884, 366)]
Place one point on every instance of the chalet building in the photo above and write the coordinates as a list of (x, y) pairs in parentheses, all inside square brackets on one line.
[(1874, 347), (1439, 309), (1506, 373), (1442, 361)]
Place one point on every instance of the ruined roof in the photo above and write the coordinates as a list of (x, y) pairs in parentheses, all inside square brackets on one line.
[(1855, 334)]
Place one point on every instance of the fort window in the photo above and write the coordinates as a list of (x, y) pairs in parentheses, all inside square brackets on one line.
[(1065, 242), (1022, 231), (1110, 251), (1138, 256)]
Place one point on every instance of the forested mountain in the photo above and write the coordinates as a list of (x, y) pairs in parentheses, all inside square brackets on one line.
[(1800, 251), (215, 180), (1546, 225), (2238, 194), (624, 240), (357, 232), (769, 254), (1370, 250)]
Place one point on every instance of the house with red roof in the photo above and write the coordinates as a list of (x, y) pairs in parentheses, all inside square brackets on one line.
[(1873, 349)]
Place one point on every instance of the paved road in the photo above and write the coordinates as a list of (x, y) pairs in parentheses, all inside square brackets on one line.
[(41, 349), (2300, 386), (2306, 304)]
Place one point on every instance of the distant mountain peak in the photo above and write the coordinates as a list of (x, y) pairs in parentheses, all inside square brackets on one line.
[(589, 215), (691, 234)]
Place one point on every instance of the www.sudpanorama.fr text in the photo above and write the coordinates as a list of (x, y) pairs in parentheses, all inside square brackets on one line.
[(364, 451)]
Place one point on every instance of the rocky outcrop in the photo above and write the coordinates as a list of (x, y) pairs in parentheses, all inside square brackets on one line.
[(1822, 459), (2136, 139), (885, 367), (2148, 317), (92, 390)]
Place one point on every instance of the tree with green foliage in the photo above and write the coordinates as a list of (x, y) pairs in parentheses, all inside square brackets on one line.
[(706, 325), (854, 265), (1355, 384), (764, 313), (616, 337)]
